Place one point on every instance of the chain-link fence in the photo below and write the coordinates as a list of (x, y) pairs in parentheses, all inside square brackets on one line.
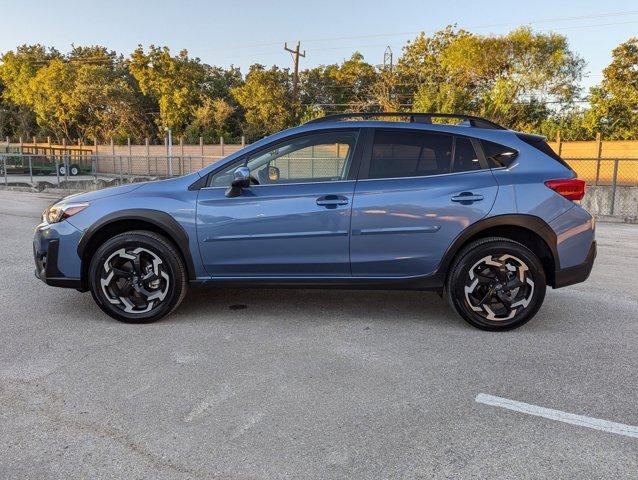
[(612, 183), (59, 169)]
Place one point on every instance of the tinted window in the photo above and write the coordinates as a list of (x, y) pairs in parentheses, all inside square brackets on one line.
[(465, 158), (498, 155), (409, 154)]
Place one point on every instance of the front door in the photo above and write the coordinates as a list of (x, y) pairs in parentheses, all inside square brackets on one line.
[(294, 219), (419, 190)]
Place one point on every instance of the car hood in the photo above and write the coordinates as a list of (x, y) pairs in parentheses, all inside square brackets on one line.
[(106, 192)]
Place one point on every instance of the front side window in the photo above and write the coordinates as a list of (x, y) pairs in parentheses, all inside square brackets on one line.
[(319, 157)]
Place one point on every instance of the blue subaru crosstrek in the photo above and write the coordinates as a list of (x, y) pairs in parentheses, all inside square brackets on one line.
[(485, 215)]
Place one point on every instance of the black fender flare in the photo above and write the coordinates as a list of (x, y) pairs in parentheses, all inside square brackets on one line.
[(530, 222), (161, 220)]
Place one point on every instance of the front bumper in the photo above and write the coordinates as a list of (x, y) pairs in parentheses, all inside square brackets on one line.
[(577, 273), (48, 243)]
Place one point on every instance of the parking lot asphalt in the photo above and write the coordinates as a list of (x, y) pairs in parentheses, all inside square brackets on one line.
[(311, 383)]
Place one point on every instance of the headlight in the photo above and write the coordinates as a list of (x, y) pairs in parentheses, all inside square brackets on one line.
[(60, 211)]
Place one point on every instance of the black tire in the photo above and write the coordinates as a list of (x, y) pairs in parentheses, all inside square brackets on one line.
[(156, 270), (491, 284), (74, 170)]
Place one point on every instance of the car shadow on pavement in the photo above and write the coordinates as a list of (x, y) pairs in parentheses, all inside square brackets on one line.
[(315, 304)]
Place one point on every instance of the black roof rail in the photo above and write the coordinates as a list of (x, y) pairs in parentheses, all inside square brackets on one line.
[(414, 117)]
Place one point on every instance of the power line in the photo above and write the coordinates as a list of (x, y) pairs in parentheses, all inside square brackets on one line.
[(415, 32)]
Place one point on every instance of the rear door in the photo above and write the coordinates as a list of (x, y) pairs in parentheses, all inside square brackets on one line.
[(417, 191)]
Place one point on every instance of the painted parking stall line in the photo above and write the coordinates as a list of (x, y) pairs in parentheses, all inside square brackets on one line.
[(558, 415)]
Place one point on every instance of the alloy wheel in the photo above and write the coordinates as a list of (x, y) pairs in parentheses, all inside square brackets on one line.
[(134, 280), (498, 287)]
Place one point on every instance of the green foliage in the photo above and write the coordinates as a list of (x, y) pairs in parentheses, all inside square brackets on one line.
[(175, 82), (266, 99), (614, 104), (509, 78), (524, 80)]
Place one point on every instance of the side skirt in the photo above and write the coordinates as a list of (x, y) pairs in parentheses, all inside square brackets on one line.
[(423, 283)]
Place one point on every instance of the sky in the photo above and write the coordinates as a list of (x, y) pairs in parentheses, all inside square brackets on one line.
[(244, 32)]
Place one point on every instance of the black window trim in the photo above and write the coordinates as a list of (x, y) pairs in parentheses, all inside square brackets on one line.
[(364, 168), (352, 172)]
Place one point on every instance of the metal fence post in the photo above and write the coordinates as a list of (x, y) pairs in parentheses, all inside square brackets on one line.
[(130, 159), (65, 161), (57, 169), (243, 141), (181, 155), (148, 157), (31, 169), (613, 187), (559, 144), (599, 150), (4, 169), (121, 174)]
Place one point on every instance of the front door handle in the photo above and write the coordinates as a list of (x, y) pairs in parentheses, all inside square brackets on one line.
[(332, 201), (466, 198)]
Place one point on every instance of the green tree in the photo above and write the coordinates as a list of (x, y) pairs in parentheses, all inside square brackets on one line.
[(339, 87), (266, 100), (174, 82), (614, 103), (510, 78), (17, 70), (85, 94)]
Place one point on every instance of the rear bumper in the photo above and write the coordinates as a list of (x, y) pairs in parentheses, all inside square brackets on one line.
[(577, 273)]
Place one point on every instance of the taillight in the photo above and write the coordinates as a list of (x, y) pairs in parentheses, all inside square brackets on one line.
[(570, 188)]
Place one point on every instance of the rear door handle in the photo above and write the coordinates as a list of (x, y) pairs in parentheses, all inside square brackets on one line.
[(468, 197), (332, 201)]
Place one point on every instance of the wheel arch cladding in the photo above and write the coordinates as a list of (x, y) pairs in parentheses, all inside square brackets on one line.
[(134, 219), (529, 230)]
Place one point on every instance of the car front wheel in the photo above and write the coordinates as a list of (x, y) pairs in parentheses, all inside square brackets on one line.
[(137, 277), (496, 284)]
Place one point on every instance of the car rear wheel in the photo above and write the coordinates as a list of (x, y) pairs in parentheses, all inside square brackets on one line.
[(496, 284), (137, 277)]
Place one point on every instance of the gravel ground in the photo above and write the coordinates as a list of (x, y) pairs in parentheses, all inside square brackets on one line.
[(311, 384)]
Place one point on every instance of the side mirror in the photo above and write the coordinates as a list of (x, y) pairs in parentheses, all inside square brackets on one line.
[(273, 174), (241, 179)]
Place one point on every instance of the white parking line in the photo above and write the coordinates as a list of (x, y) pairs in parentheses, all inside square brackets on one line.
[(580, 420)]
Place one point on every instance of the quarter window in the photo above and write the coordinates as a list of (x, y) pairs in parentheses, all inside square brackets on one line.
[(498, 155)]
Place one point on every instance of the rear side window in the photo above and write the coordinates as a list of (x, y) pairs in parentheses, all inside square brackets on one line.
[(409, 154), (465, 158), (417, 154), (498, 155)]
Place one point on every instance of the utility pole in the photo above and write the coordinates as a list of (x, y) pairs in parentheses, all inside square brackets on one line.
[(295, 57)]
